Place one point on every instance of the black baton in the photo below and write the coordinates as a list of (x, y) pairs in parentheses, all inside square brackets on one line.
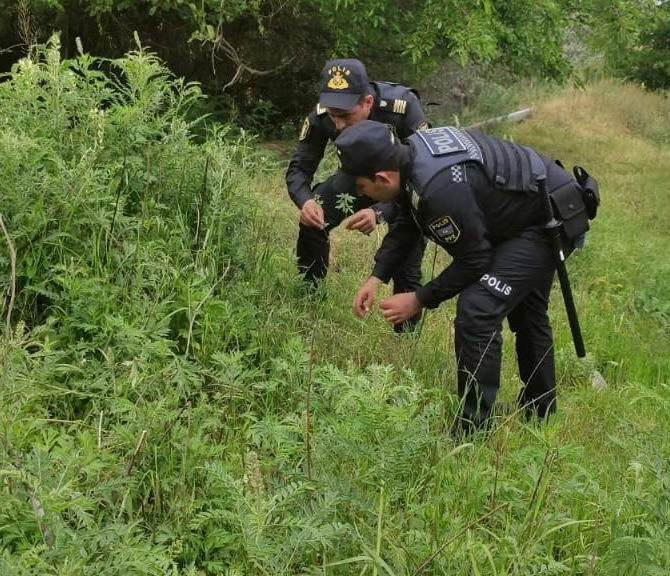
[(553, 228)]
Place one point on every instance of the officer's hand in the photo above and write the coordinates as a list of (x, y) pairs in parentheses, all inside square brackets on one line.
[(311, 215), (366, 297), (400, 307), (364, 221)]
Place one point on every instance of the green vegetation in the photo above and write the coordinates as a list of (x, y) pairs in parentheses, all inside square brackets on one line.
[(650, 63), (172, 402), (259, 59)]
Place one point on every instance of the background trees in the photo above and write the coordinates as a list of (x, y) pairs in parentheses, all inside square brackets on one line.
[(260, 58)]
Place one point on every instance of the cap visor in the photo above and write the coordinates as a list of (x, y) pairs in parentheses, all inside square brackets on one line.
[(339, 101)]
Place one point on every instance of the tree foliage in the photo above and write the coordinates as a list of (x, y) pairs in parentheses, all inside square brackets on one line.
[(650, 63), (263, 56)]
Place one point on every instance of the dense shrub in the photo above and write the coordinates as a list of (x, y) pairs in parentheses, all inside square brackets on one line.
[(651, 62)]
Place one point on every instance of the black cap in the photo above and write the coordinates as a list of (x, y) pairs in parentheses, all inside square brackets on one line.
[(343, 83), (366, 148)]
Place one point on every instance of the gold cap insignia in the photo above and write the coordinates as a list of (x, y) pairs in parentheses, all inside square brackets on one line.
[(338, 80)]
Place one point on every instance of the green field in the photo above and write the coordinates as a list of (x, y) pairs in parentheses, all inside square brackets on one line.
[(173, 402)]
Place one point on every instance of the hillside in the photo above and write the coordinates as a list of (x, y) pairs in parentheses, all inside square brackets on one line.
[(172, 402)]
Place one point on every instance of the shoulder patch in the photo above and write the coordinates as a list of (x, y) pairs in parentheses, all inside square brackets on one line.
[(304, 131), (399, 106), (444, 229), (441, 141), (320, 110)]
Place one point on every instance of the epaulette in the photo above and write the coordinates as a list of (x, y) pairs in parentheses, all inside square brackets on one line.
[(320, 110), (399, 106)]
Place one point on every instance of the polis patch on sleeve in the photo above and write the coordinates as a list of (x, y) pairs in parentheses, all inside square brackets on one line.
[(444, 229)]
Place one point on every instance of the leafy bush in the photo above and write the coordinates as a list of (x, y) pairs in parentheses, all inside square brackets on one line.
[(130, 237), (651, 61)]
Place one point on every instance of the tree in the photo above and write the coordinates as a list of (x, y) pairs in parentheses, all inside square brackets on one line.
[(651, 61)]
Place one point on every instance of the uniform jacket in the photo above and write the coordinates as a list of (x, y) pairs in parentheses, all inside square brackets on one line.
[(462, 210), (395, 105)]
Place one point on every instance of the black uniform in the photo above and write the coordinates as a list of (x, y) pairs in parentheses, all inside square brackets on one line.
[(395, 105), (477, 198)]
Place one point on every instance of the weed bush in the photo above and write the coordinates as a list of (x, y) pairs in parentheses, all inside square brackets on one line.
[(130, 237)]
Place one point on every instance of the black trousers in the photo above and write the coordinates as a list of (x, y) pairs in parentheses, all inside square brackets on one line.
[(516, 287), (313, 249)]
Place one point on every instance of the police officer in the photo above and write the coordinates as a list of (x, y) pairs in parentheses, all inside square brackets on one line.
[(347, 97), (477, 197)]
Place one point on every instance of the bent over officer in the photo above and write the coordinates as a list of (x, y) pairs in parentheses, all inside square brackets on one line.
[(477, 197), (347, 97)]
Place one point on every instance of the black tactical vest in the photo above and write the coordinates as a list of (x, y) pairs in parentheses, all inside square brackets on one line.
[(509, 167)]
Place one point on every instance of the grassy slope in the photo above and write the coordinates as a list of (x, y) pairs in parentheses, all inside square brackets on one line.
[(622, 279)]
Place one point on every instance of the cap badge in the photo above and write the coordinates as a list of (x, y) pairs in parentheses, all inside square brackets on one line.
[(338, 80)]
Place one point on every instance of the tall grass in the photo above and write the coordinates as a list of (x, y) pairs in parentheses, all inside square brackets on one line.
[(172, 402)]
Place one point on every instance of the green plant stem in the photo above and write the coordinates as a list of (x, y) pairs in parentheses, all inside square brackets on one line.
[(12, 279), (458, 534)]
